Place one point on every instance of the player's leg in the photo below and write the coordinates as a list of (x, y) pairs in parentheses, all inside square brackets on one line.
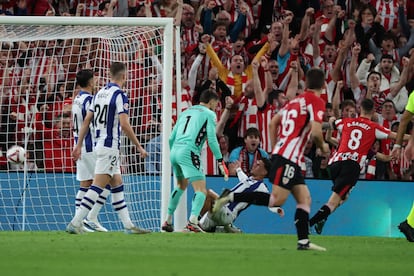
[(345, 175), (89, 199), (83, 188), (209, 202), (199, 186), (176, 157), (175, 197), (119, 204), (86, 171), (91, 220), (407, 226), (319, 219), (303, 201)]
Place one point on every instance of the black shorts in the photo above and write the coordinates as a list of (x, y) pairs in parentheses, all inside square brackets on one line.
[(345, 175), (285, 173)]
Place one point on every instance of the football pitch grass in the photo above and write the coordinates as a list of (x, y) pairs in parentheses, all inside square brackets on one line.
[(176, 254)]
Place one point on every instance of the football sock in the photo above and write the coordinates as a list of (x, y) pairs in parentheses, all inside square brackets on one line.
[(196, 206), (93, 214), (118, 202), (79, 196), (172, 204), (410, 218), (88, 201), (256, 198), (302, 224), (322, 214)]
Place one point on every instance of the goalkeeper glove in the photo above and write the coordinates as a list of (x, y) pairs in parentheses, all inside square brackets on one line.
[(223, 169)]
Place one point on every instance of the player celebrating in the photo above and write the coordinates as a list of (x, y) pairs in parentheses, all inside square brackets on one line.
[(294, 124), (193, 127), (357, 137), (109, 112), (85, 166)]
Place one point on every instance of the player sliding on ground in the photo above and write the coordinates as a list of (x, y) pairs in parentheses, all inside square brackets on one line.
[(250, 190)]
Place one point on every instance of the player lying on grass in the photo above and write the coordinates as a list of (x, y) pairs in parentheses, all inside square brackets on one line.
[(250, 190)]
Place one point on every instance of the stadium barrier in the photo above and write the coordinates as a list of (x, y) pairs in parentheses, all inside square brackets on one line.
[(375, 208)]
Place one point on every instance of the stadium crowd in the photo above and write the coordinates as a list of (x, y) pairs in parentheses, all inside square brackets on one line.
[(255, 52)]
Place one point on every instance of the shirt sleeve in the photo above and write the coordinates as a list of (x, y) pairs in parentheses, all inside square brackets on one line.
[(410, 104), (122, 103), (212, 137)]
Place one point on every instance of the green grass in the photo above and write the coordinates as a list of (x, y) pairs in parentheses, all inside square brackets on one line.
[(176, 254)]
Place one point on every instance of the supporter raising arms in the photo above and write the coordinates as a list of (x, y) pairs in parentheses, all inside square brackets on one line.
[(237, 76)]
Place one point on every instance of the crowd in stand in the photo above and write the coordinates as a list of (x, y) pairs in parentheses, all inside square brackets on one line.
[(255, 53)]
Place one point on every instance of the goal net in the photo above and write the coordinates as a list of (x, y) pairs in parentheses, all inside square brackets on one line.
[(39, 59)]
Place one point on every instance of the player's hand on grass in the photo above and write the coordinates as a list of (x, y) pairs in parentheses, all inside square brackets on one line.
[(223, 169)]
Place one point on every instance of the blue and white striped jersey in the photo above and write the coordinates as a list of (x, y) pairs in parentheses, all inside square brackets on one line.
[(106, 106), (80, 107), (246, 184)]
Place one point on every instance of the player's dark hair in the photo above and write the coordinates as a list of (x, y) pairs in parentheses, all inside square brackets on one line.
[(83, 77), (268, 165), (315, 78), (374, 73), (274, 95), (387, 56), (367, 105), (391, 102), (347, 102), (117, 68), (252, 131), (208, 95)]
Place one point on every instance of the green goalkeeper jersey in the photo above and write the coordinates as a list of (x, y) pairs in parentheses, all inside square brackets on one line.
[(194, 126)]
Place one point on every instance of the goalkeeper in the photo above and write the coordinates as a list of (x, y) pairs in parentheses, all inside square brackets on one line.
[(250, 190), (194, 126)]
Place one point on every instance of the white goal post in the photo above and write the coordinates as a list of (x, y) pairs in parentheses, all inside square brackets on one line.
[(38, 59)]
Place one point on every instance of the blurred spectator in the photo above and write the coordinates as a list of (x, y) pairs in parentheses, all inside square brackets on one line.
[(248, 154), (57, 143)]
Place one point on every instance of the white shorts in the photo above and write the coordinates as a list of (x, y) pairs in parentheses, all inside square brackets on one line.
[(85, 167), (107, 161), (223, 217)]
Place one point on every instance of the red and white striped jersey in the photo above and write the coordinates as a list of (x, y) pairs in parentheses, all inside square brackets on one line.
[(388, 11), (357, 137), (295, 127), (386, 143), (248, 118), (264, 116)]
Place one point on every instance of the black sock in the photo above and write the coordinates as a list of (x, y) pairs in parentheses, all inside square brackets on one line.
[(322, 214), (302, 223), (256, 198)]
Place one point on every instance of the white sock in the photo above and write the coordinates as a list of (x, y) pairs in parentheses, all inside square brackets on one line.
[(118, 202), (193, 219), (88, 201), (79, 196), (93, 214), (169, 219)]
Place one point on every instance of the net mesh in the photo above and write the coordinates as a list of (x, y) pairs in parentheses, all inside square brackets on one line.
[(38, 65)]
